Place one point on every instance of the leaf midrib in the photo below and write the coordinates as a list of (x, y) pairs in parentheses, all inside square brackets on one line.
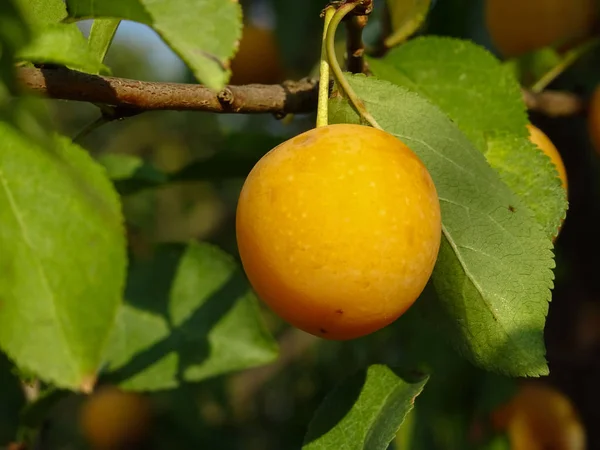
[(379, 413)]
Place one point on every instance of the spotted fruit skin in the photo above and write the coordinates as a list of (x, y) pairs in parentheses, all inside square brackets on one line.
[(338, 230), (539, 138), (521, 26)]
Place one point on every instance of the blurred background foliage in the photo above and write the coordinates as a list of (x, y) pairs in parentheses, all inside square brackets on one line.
[(207, 156)]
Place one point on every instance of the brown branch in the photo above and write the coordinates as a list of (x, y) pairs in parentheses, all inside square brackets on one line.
[(554, 103), (355, 47), (362, 8), (290, 97)]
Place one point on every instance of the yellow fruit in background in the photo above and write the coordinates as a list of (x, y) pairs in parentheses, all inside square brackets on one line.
[(521, 26), (257, 59), (339, 229), (540, 417), (594, 119), (113, 419), (539, 138)]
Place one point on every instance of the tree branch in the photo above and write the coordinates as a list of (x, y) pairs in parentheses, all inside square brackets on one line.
[(290, 97), (554, 103), (355, 48)]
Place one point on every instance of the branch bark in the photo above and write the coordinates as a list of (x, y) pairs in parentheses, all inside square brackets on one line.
[(554, 103), (355, 48), (290, 97)]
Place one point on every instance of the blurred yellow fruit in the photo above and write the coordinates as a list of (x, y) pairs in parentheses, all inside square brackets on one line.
[(257, 59), (339, 229), (539, 138), (521, 26), (540, 417), (113, 419)]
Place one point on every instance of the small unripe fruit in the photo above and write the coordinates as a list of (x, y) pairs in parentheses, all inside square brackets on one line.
[(521, 26), (543, 142), (113, 419), (339, 229), (257, 59)]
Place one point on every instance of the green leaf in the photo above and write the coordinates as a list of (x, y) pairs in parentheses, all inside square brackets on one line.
[(14, 34), (43, 12), (54, 42), (365, 411), (62, 265), (12, 401), (131, 173), (204, 33), (532, 176), (493, 275), (101, 36), (190, 315), (61, 44), (121, 166), (484, 99)]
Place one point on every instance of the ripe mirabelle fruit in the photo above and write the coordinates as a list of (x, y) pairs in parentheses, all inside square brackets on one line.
[(339, 229), (521, 26), (594, 119), (540, 417), (113, 419), (257, 59), (539, 138)]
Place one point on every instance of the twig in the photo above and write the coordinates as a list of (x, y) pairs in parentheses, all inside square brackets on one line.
[(567, 61), (355, 47), (290, 97), (89, 128), (31, 390), (287, 98), (554, 103)]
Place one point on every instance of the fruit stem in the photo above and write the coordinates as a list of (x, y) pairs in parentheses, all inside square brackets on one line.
[(322, 108), (410, 26), (338, 74), (568, 60)]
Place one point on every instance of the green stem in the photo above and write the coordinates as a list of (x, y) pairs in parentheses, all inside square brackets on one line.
[(568, 60), (338, 74), (322, 108)]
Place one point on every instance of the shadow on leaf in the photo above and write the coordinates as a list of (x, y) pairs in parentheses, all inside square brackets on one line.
[(189, 315)]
